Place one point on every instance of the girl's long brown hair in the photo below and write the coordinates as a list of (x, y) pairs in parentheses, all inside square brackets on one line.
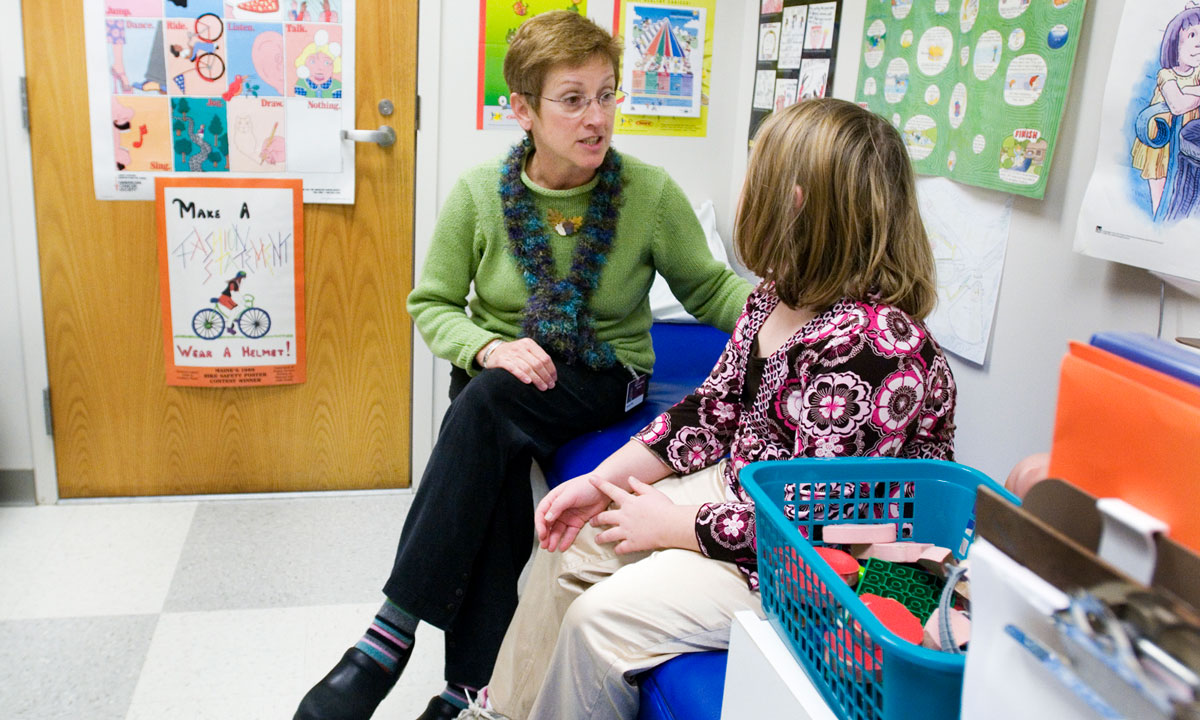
[(858, 232)]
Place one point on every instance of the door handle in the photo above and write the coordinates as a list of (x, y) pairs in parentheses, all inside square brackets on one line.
[(383, 137)]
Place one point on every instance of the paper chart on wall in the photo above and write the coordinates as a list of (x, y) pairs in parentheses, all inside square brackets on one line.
[(664, 57), (231, 265), (791, 36), (1142, 205), (968, 230), (238, 88), (976, 87), (666, 68)]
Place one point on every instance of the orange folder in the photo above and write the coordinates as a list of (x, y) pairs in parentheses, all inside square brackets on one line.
[(1127, 431)]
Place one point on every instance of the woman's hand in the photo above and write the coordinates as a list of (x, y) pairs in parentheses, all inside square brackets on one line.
[(645, 519), (525, 359), (562, 513)]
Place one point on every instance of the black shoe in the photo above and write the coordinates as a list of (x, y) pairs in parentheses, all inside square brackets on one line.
[(440, 709), (351, 691)]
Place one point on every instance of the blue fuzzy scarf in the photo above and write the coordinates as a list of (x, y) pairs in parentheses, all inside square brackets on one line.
[(557, 315)]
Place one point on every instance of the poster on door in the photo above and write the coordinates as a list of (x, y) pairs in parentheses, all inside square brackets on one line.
[(227, 88), (231, 274), (498, 23)]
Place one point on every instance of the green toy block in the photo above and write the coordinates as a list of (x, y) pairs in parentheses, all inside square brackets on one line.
[(916, 589)]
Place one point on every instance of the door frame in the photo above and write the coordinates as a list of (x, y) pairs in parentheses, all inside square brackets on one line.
[(18, 175), (424, 422)]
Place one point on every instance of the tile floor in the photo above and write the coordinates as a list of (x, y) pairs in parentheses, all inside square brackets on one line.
[(222, 609)]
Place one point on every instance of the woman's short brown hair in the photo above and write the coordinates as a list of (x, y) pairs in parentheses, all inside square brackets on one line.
[(553, 39), (858, 232)]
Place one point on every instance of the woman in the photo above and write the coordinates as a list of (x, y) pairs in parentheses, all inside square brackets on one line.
[(560, 242), (829, 359)]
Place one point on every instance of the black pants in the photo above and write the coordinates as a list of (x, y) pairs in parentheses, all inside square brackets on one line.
[(469, 531)]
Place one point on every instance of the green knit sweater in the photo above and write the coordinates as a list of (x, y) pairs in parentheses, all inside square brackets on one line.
[(657, 229)]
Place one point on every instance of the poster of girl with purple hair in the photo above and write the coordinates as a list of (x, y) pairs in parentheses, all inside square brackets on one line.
[(1142, 205)]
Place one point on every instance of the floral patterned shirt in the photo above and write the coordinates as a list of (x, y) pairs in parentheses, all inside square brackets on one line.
[(860, 379)]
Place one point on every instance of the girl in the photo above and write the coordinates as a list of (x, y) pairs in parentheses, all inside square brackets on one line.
[(829, 358), (1178, 84)]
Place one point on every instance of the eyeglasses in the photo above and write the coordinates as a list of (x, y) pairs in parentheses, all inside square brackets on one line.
[(574, 105)]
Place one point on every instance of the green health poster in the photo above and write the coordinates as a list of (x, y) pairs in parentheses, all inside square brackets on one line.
[(976, 87)]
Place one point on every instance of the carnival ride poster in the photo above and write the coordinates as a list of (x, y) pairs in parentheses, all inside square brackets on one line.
[(231, 275), (498, 23), (666, 69), (1142, 205), (237, 89), (976, 87)]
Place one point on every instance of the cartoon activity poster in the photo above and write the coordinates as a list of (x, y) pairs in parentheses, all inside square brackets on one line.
[(664, 54), (234, 87), (976, 87), (498, 23), (1142, 205), (231, 266), (666, 68)]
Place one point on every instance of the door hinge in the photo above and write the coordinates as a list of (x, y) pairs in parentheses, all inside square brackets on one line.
[(24, 103), (418, 111), (48, 412)]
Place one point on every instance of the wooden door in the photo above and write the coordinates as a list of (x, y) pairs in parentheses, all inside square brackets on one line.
[(118, 429)]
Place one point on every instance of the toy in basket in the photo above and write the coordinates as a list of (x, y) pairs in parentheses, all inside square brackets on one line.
[(863, 670)]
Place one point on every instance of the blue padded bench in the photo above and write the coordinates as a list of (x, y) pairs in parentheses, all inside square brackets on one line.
[(690, 686), (684, 356)]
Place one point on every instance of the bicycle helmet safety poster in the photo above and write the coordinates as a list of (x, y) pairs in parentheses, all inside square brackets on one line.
[(231, 275), (233, 88)]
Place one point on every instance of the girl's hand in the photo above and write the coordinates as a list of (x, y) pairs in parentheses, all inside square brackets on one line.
[(562, 513), (525, 359), (645, 519)]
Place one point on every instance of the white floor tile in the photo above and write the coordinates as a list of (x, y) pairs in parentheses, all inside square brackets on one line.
[(89, 560), (259, 663)]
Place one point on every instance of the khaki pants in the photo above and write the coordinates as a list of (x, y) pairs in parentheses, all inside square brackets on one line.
[(576, 643)]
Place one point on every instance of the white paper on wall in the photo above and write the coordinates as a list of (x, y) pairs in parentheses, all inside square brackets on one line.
[(969, 234), (1142, 205)]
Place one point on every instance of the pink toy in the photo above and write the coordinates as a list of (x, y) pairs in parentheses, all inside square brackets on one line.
[(960, 628), (850, 653), (895, 617), (855, 534), (897, 552), (842, 563)]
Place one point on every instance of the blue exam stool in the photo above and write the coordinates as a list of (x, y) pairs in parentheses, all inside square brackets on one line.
[(690, 686)]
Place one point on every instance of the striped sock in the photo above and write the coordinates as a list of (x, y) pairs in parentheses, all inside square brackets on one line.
[(389, 640), (456, 694)]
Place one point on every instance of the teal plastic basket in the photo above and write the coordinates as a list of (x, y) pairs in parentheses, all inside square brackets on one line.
[(864, 671)]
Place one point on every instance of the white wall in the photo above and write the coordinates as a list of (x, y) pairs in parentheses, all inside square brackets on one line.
[(23, 443), (1049, 295), (15, 448)]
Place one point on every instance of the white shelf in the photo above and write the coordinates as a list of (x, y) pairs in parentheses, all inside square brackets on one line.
[(763, 679)]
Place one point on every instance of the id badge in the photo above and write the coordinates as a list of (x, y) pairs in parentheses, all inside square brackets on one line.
[(635, 391)]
